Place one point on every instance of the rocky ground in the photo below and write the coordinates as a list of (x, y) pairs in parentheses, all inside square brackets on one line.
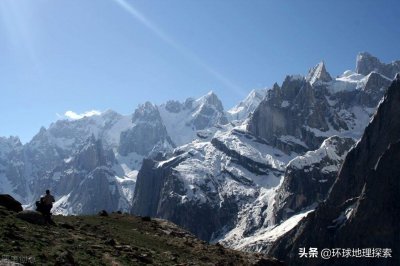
[(113, 239)]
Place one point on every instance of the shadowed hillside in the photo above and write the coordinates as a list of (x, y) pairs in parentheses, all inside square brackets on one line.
[(116, 239)]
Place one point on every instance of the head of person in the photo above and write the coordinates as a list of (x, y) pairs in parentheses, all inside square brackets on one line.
[(47, 192)]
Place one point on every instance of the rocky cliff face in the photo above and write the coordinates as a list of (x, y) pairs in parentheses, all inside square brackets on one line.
[(86, 182), (237, 186), (12, 179), (362, 209), (147, 134), (26, 170), (205, 186), (303, 186), (308, 178), (307, 111), (366, 63), (209, 112), (227, 182), (287, 109), (61, 156)]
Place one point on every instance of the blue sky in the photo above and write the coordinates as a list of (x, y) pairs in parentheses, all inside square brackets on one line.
[(81, 55)]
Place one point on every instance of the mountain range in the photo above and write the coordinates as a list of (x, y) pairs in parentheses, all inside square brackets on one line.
[(250, 178)]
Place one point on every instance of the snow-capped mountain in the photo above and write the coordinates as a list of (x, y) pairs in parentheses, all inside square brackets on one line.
[(362, 208), (87, 182), (69, 134), (147, 134), (193, 118), (47, 160), (248, 105), (366, 63), (309, 177), (244, 183), (204, 184), (304, 113), (240, 185), (318, 74), (54, 147)]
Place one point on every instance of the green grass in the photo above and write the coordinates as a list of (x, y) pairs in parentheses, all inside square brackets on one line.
[(118, 239)]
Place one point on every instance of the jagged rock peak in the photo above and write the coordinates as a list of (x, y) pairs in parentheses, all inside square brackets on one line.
[(91, 154), (254, 95), (366, 63), (12, 140), (147, 112), (147, 132), (111, 114), (248, 105), (365, 195), (90, 143), (146, 107), (41, 135), (275, 92), (318, 73), (173, 106), (9, 144), (212, 99)]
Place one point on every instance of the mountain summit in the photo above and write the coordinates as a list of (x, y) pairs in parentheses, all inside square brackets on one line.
[(318, 74), (367, 63), (363, 207), (241, 178)]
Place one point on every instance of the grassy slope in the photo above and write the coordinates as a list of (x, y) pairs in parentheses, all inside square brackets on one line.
[(114, 240)]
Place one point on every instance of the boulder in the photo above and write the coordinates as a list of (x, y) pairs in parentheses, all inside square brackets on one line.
[(103, 213), (10, 203)]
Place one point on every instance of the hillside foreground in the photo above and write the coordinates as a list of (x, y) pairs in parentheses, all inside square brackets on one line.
[(114, 239)]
